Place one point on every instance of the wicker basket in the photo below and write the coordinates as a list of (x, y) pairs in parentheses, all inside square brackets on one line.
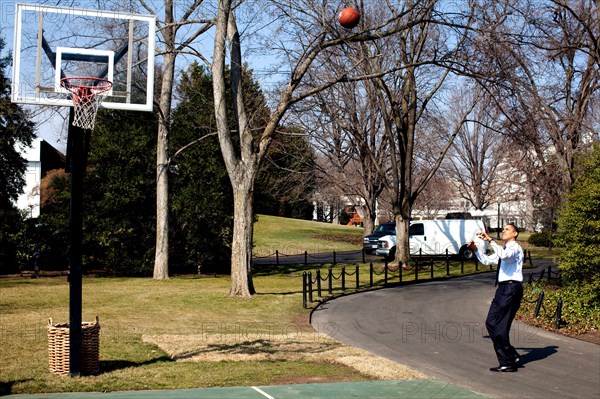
[(58, 347)]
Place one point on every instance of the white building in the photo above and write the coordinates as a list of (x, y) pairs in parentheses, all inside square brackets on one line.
[(41, 157)]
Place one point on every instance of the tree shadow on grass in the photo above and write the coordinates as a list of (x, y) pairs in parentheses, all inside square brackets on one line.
[(6, 387), (273, 269), (283, 349), (107, 366), (278, 293)]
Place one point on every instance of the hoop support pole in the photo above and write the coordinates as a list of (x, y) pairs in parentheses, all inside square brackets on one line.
[(77, 149)]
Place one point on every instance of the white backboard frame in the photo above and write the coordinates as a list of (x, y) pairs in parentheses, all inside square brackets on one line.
[(22, 97)]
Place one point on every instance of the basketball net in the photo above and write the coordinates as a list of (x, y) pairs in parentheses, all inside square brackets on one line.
[(87, 93)]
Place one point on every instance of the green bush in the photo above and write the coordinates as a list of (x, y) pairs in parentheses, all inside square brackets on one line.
[(579, 222), (580, 310), (543, 239), (581, 305)]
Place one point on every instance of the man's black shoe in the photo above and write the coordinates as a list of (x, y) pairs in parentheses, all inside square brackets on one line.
[(504, 369)]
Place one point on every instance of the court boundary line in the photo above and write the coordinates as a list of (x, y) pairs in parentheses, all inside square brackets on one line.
[(266, 395)]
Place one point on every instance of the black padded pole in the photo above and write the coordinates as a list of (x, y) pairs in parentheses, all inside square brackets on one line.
[(77, 167)]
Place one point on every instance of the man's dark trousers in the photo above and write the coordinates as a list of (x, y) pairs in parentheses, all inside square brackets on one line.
[(500, 317)]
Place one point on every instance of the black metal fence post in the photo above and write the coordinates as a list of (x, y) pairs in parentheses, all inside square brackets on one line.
[(559, 313), (447, 263), (417, 270), (400, 269), (371, 274), (385, 274), (343, 279), (462, 265), (431, 263), (538, 305), (310, 297), (304, 290), (319, 282), (330, 281), (357, 279), (277, 257)]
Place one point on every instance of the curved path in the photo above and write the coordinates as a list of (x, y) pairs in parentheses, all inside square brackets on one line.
[(438, 328)]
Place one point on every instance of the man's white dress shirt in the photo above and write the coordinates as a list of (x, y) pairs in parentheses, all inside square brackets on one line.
[(512, 257)]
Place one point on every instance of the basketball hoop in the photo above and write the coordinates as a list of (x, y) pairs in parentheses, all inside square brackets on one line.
[(88, 92)]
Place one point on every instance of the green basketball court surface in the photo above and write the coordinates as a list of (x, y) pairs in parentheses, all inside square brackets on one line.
[(413, 389)]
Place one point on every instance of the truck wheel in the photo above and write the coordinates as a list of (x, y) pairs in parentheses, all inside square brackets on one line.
[(467, 253)]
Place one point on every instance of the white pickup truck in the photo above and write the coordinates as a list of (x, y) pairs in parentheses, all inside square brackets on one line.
[(434, 237)]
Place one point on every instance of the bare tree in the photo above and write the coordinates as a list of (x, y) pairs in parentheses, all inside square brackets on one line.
[(307, 28), (436, 197), (428, 53), (345, 125), (381, 123), (545, 57), (477, 151), (177, 34)]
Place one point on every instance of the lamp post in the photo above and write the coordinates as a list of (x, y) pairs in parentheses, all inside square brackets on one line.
[(498, 230)]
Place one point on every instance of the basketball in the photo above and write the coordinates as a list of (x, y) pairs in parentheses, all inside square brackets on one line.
[(349, 17)]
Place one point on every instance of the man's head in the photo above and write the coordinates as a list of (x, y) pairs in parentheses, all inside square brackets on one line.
[(510, 232)]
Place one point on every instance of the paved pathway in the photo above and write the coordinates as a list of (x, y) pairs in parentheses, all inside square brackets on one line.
[(438, 328)]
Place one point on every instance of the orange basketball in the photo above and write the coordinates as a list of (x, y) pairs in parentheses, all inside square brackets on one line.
[(349, 17)]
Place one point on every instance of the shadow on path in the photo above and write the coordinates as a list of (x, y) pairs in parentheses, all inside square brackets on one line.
[(535, 354)]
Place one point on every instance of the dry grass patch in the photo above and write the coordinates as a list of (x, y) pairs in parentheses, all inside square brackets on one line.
[(300, 346)]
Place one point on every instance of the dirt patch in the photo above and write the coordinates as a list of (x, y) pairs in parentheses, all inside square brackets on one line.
[(592, 336), (301, 346), (349, 238), (313, 379)]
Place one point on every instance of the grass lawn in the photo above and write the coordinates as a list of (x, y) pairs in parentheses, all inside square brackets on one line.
[(293, 237)]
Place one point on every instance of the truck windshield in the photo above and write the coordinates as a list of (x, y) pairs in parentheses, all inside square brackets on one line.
[(386, 228)]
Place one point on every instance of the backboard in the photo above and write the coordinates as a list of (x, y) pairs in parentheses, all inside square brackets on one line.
[(52, 43)]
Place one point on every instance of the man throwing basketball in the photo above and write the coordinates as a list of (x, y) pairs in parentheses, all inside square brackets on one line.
[(507, 299)]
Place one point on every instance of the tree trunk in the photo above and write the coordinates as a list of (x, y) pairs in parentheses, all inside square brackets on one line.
[(161, 257), (368, 221), (241, 246), (402, 244), (243, 168)]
